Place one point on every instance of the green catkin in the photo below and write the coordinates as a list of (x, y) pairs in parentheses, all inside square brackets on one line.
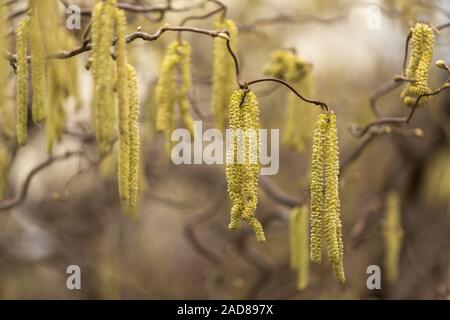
[(38, 68), (168, 92), (422, 46), (393, 235), (317, 187), (298, 224), (185, 52), (22, 35), (134, 139), (224, 76), (325, 203), (122, 94), (56, 114), (243, 171), (102, 33)]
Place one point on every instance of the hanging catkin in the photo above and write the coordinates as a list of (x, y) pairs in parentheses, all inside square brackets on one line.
[(38, 69), (122, 94), (102, 33), (5, 160), (422, 45), (224, 76), (393, 235), (134, 140), (298, 225), (300, 116), (168, 93), (243, 161), (22, 36), (325, 203)]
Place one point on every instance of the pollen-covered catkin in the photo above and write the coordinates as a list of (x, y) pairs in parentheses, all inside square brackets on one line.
[(325, 203), (317, 187), (243, 161), (224, 76), (102, 33), (184, 50), (22, 36), (393, 235), (422, 47), (134, 138), (5, 160), (38, 68), (298, 225), (123, 103)]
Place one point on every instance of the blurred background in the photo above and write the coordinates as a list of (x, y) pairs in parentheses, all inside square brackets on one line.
[(177, 245)]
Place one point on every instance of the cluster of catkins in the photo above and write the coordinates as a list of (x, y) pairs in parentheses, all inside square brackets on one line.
[(325, 204), (173, 88), (393, 235), (50, 87), (110, 77), (286, 65), (422, 44), (243, 161)]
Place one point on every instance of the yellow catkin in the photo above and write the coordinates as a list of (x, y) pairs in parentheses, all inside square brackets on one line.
[(422, 47), (325, 203), (243, 165), (286, 65), (184, 50), (134, 139), (5, 160), (122, 94), (393, 235), (102, 33), (298, 224), (332, 219), (56, 114), (22, 35), (38, 68), (317, 187), (165, 94), (224, 76)]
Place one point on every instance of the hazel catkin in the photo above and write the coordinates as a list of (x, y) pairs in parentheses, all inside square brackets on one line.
[(393, 235), (22, 36), (422, 45), (224, 76), (242, 168), (298, 226), (325, 203)]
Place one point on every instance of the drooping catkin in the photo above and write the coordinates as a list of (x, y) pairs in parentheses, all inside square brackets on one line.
[(317, 187), (393, 235), (299, 122), (22, 36), (422, 47), (56, 113), (38, 65), (224, 76), (102, 33), (169, 90), (134, 138), (325, 203), (123, 102), (242, 168), (185, 52), (298, 225)]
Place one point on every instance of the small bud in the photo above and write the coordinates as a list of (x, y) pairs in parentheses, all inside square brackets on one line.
[(418, 132), (441, 64)]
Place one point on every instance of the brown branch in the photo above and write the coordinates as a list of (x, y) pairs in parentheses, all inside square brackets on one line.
[(20, 197)]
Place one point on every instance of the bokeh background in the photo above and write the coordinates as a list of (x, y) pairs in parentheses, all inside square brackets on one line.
[(177, 246)]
